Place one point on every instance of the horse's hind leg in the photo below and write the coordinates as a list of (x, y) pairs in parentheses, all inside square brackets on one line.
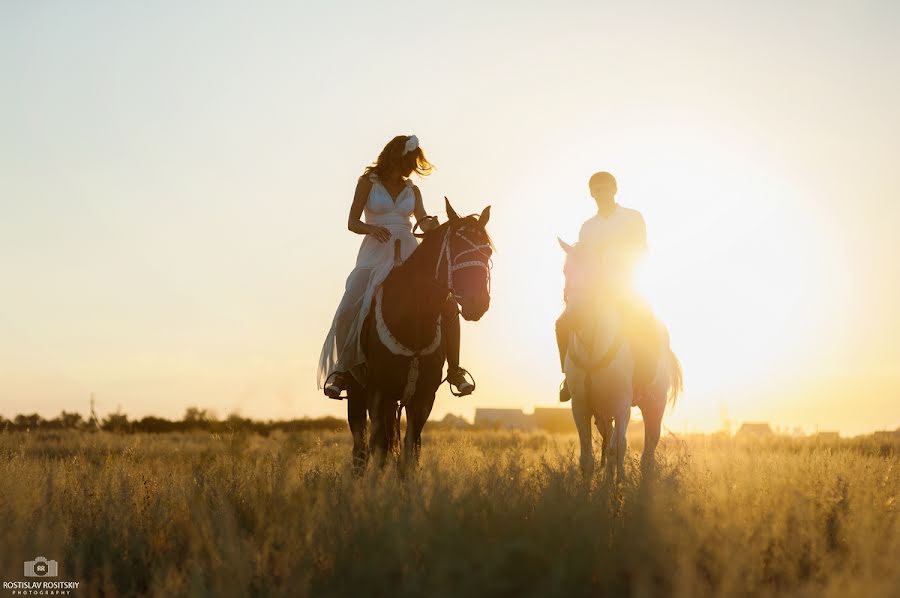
[(382, 428), (356, 417), (652, 411)]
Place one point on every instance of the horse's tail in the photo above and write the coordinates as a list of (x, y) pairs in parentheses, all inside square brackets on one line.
[(676, 376)]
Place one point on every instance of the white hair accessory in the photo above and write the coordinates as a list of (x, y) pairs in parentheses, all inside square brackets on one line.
[(412, 142)]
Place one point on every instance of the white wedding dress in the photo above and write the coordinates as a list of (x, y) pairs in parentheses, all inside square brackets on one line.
[(342, 351)]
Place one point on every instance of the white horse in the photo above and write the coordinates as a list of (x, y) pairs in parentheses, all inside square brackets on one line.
[(599, 367)]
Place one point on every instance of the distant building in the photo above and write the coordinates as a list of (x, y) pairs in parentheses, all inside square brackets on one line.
[(503, 418), (755, 430), (827, 436)]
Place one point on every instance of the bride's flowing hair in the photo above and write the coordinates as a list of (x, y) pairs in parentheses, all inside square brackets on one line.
[(392, 159)]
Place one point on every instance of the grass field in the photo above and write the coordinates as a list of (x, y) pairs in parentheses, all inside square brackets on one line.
[(486, 513)]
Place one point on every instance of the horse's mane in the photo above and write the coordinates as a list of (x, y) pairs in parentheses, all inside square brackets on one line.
[(434, 236), (470, 220)]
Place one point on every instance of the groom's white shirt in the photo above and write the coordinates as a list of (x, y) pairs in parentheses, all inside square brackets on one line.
[(618, 239)]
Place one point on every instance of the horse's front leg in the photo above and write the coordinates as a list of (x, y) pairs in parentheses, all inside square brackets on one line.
[(604, 427), (581, 413), (381, 429), (417, 414), (619, 441), (356, 417)]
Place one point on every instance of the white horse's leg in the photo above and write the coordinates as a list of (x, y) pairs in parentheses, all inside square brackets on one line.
[(654, 406), (652, 410), (611, 456), (621, 444), (604, 427), (581, 412)]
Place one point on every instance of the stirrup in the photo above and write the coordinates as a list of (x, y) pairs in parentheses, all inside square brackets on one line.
[(463, 392), (332, 390), (565, 395)]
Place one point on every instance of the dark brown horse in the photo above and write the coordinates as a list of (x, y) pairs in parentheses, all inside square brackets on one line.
[(402, 335)]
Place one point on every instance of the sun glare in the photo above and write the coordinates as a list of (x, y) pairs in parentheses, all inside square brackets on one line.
[(735, 269)]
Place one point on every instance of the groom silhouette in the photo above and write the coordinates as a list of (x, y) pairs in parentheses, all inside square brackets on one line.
[(620, 236)]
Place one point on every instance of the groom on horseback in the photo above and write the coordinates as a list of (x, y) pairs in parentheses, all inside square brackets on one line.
[(618, 236)]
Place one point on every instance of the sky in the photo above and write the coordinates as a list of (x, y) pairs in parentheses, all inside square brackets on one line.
[(175, 180)]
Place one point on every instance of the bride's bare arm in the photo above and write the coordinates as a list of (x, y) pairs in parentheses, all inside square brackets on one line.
[(426, 222), (354, 224)]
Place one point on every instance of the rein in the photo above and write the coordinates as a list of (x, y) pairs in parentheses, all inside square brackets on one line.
[(596, 364), (393, 345)]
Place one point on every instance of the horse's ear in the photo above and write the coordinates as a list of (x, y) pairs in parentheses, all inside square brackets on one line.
[(485, 216), (566, 247), (451, 213)]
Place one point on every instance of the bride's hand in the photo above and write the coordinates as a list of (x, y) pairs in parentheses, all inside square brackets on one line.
[(380, 233)]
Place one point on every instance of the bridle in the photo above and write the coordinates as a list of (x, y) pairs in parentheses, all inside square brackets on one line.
[(453, 263)]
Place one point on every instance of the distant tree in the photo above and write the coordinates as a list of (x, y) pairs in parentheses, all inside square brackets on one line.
[(116, 422), (235, 422), (28, 422), (195, 418), (156, 425), (196, 415), (70, 421)]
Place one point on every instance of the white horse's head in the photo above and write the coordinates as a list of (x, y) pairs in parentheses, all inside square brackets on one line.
[(593, 274), (586, 279)]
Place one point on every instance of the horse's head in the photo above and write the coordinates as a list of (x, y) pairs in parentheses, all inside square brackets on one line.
[(466, 261), (584, 274)]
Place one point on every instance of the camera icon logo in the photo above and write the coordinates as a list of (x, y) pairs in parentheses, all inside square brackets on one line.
[(40, 567)]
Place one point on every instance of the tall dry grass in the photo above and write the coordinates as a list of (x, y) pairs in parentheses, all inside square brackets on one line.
[(488, 513)]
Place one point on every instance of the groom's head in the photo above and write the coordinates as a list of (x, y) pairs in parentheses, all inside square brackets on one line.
[(603, 187)]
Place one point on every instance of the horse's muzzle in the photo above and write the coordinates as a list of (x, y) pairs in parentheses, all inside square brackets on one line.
[(473, 310)]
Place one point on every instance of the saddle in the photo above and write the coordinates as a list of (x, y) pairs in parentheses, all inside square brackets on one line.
[(646, 338)]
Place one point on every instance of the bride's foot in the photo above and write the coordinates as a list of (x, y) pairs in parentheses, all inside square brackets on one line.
[(335, 384), (457, 379)]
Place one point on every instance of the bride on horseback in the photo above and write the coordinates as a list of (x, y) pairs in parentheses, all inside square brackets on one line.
[(388, 199)]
